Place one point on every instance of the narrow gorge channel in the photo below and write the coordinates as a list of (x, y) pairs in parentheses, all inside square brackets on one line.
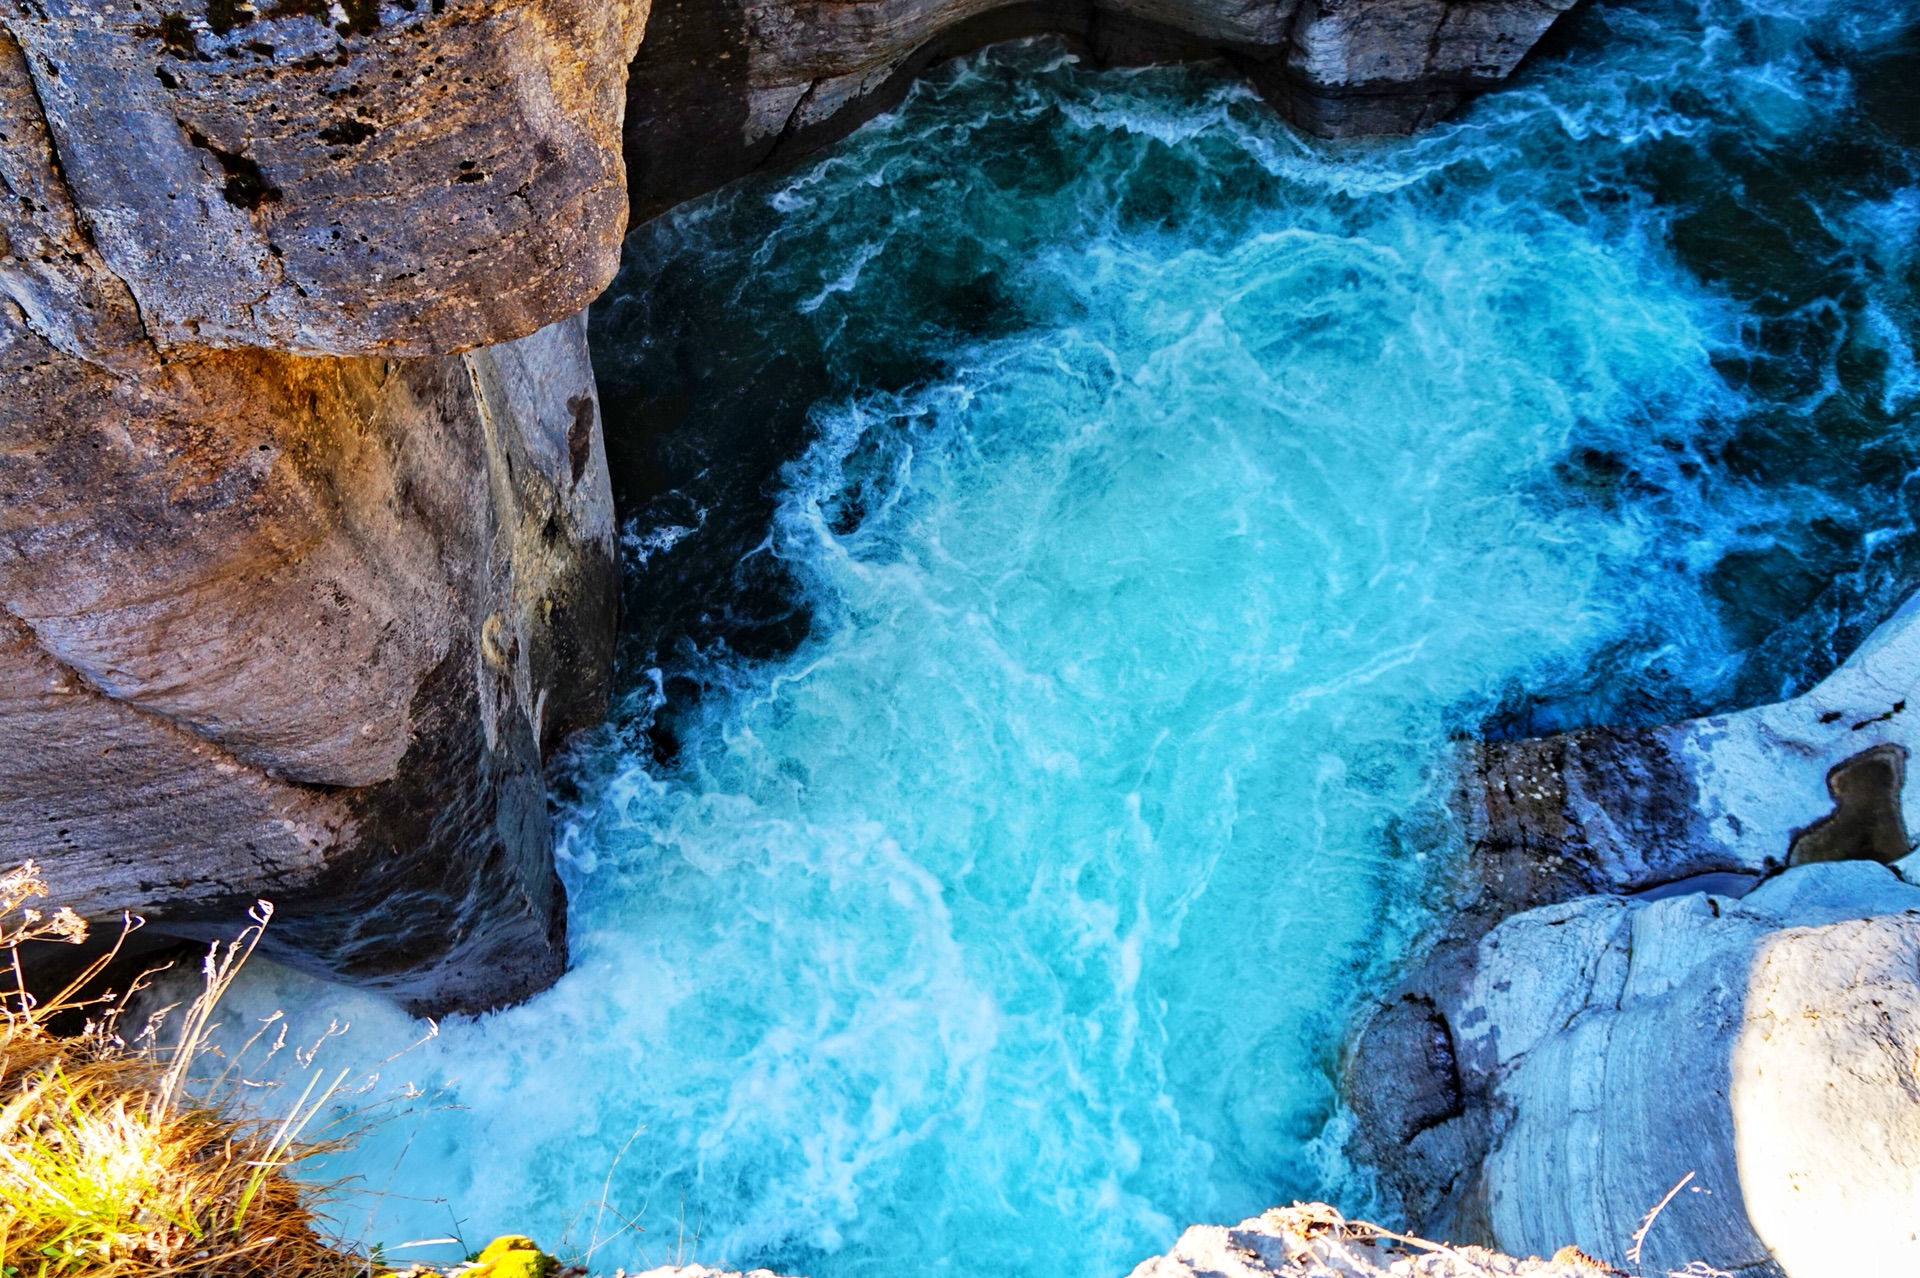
[(1068, 529)]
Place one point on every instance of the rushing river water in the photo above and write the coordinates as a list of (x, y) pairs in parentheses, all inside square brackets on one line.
[(1068, 524)]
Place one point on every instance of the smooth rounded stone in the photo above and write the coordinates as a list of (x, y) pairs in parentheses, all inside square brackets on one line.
[(1610, 1049), (302, 629), (725, 87), (408, 179), (1312, 1240), (1826, 1097)]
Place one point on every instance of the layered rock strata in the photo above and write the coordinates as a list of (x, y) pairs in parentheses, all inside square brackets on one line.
[(294, 595), (1759, 1053), (725, 87), (1700, 960)]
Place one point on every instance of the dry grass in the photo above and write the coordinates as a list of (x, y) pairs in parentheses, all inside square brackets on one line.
[(113, 1164)]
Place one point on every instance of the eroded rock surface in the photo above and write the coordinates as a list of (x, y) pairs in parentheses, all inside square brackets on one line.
[(299, 628), (1607, 1048), (1666, 995), (411, 178), (724, 87), (1819, 777)]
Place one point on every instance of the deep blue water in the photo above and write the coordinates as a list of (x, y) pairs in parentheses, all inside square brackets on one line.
[(1070, 524)]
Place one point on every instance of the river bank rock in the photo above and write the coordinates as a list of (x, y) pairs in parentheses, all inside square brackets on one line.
[(725, 87), (1820, 777), (1557, 1060)]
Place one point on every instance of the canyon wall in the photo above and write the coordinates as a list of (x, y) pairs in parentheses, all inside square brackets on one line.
[(296, 594), (1686, 952), (725, 87)]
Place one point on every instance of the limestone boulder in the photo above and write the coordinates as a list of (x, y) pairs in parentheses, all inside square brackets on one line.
[(1758, 1053)]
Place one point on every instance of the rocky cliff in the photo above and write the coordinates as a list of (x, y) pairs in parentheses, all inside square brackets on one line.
[(306, 558), (724, 87), (295, 594)]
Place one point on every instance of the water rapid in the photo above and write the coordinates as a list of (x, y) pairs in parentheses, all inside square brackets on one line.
[(1070, 525)]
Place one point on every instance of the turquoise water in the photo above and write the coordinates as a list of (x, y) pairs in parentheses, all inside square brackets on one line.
[(1069, 525)]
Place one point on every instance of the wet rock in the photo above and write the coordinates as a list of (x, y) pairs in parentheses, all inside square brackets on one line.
[(1421, 1086), (1866, 822), (724, 87), (1819, 777), (411, 179)]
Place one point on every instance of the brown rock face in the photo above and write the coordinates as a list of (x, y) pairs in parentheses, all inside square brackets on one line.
[(291, 625), (412, 178), (725, 87), (298, 628)]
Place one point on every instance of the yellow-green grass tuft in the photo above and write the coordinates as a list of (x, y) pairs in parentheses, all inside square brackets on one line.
[(110, 1166)]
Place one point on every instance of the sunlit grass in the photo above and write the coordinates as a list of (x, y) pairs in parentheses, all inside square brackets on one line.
[(111, 1166)]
